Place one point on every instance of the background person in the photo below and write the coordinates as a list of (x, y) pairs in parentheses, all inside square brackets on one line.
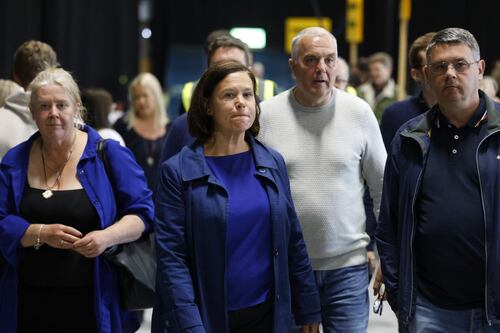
[(231, 257), (398, 113), (57, 216), (144, 127), (221, 48), (16, 123), (7, 88), (380, 91), (98, 104)]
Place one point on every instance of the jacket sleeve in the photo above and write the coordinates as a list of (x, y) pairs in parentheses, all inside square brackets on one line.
[(129, 184), (12, 226), (305, 295), (179, 310), (386, 234)]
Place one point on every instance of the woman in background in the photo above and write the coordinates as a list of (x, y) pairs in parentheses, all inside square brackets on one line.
[(59, 212), (231, 256), (144, 127), (98, 103)]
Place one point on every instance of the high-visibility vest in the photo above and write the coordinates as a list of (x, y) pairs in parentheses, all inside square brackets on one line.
[(270, 88)]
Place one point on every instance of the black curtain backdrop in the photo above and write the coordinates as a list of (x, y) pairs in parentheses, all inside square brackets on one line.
[(187, 22), (96, 40)]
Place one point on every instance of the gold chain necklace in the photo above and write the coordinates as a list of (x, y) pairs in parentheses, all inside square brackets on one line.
[(48, 193)]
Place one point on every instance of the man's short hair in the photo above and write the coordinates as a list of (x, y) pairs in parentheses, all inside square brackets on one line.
[(213, 36), (31, 58), (454, 36), (312, 32), (382, 57), (418, 45), (228, 41)]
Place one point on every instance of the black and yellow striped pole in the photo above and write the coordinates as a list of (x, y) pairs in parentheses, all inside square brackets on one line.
[(354, 28), (404, 19)]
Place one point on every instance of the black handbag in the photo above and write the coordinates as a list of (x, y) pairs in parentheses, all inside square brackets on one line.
[(134, 262)]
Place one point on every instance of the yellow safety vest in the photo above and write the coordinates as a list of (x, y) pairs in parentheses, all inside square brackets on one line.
[(270, 89)]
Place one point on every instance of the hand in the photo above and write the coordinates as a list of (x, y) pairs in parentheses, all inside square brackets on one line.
[(92, 244), (59, 236), (310, 328), (372, 261), (377, 283)]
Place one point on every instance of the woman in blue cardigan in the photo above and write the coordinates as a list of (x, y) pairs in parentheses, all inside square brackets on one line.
[(231, 256), (57, 216)]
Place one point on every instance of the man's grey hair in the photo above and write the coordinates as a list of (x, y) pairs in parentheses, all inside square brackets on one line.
[(454, 36), (312, 32)]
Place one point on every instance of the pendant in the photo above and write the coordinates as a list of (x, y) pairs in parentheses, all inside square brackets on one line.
[(47, 194), (150, 161)]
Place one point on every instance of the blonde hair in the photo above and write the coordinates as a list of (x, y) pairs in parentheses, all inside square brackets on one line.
[(150, 82), (62, 78)]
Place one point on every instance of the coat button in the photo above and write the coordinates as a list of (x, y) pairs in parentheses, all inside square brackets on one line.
[(275, 252), (167, 323)]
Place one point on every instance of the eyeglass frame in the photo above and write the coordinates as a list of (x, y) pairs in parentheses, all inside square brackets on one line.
[(453, 64)]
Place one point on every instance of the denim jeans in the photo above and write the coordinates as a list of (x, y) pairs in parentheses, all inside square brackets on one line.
[(432, 319), (344, 299)]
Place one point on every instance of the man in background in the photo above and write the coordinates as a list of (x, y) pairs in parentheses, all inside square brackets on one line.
[(16, 123)]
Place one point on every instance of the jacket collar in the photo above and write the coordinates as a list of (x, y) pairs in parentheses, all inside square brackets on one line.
[(423, 124), (21, 158), (193, 164)]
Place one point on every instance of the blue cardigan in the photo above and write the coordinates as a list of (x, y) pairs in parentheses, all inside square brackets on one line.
[(190, 230), (133, 197)]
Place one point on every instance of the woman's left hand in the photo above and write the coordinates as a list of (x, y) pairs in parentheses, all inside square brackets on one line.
[(310, 328), (92, 244)]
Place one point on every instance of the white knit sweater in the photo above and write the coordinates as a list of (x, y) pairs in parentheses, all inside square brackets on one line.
[(330, 152)]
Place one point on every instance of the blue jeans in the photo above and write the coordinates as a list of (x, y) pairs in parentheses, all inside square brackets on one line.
[(432, 319), (344, 299)]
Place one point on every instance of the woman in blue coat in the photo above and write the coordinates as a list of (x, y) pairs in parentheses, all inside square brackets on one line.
[(57, 216), (231, 256)]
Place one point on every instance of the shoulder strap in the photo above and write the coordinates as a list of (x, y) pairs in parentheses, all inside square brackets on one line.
[(101, 152)]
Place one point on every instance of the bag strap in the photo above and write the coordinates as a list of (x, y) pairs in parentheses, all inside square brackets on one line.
[(101, 152)]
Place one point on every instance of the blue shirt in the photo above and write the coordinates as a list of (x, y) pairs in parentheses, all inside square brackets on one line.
[(249, 263)]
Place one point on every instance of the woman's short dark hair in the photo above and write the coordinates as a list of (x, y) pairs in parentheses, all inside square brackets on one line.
[(201, 124)]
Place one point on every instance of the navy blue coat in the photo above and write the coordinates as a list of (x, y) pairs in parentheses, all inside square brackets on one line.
[(190, 230), (396, 229), (134, 197)]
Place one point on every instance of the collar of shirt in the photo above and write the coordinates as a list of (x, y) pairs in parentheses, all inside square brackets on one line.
[(479, 117)]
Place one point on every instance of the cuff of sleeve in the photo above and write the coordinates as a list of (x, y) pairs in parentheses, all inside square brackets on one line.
[(186, 318)]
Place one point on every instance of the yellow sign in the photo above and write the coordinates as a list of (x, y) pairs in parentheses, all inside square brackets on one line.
[(405, 12), (295, 24), (354, 21)]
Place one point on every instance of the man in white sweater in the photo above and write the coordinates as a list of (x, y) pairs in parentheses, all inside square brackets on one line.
[(16, 123), (332, 146)]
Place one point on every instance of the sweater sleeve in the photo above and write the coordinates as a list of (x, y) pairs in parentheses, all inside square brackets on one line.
[(373, 160)]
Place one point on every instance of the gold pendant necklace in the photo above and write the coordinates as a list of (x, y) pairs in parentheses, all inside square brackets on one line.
[(48, 193)]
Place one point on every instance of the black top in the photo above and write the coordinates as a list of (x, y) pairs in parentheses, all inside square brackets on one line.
[(450, 237), (146, 152), (48, 266)]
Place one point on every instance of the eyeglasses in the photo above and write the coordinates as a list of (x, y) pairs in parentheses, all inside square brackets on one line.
[(441, 67)]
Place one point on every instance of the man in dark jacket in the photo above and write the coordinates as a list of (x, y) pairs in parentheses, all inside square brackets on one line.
[(438, 234)]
